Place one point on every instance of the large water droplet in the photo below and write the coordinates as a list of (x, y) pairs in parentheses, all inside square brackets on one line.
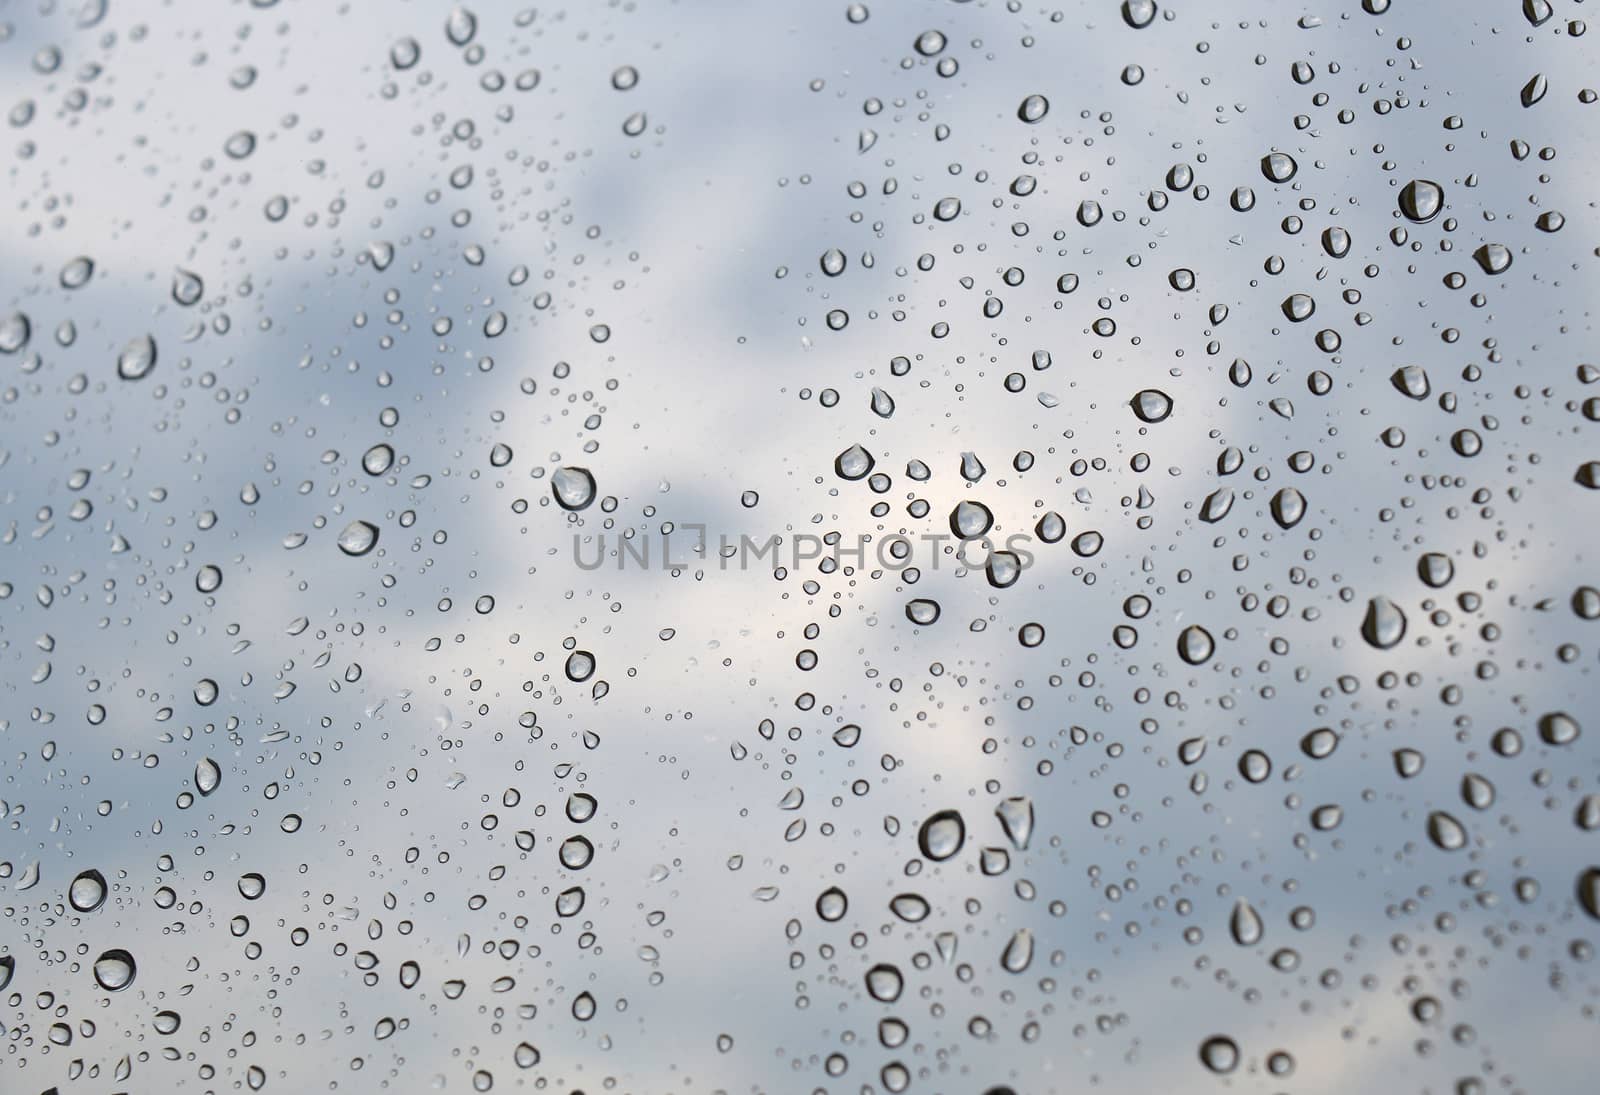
[(942, 835), (573, 487), (884, 983), (1279, 167), (1033, 108), (1558, 728), (378, 459), (1151, 405), (1138, 14), (460, 26), (1493, 258), (1288, 507), (1016, 818), (187, 288), (1384, 624), (358, 538), (15, 330), (832, 904), (137, 358), (1446, 832), (910, 907), (1018, 954), (1534, 89), (77, 272), (1219, 1053), (1435, 569), (1245, 924), (115, 970), (1588, 890), (970, 519), (207, 776), (87, 892), (1195, 645), (1421, 200), (853, 463)]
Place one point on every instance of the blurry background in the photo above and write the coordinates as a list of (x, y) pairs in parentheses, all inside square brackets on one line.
[(398, 263)]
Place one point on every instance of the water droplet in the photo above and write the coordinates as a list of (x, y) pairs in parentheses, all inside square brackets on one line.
[(1220, 1054), (1018, 954), (77, 272), (1033, 109), (576, 852), (573, 487), (15, 330), (1446, 832), (137, 358), (1411, 380), (1245, 925), (381, 254), (942, 835), (187, 288), (114, 970), (1195, 645), (1138, 14), (1408, 763), (1384, 624), (1558, 728), (405, 53), (884, 983), (1217, 505), (1494, 258), (1421, 200), (1288, 507), (378, 459), (358, 538), (832, 904), (1435, 569), (580, 666), (1151, 405), (460, 26), (853, 463), (1279, 167), (970, 519), (910, 907), (1016, 818), (1533, 90), (87, 892), (1588, 891), (1298, 307)]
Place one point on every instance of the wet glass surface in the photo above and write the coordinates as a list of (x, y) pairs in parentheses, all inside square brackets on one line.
[(783, 547)]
